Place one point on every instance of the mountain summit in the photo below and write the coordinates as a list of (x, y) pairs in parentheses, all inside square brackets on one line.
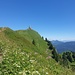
[(25, 52)]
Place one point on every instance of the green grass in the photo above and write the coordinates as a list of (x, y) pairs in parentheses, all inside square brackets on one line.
[(31, 35), (21, 57)]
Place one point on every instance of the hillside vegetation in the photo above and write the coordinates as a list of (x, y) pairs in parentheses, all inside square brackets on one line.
[(24, 52)]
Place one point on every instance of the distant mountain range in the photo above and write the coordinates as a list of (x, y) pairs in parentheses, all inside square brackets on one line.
[(64, 46)]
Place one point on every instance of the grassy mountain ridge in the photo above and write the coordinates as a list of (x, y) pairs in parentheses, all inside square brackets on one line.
[(21, 57), (31, 35)]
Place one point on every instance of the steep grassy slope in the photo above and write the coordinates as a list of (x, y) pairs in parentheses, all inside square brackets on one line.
[(31, 35), (20, 57)]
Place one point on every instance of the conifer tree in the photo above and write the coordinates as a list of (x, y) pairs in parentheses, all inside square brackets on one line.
[(65, 60), (33, 42), (55, 55)]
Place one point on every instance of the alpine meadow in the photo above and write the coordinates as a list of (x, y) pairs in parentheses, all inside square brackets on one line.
[(25, 52), (37, 37)]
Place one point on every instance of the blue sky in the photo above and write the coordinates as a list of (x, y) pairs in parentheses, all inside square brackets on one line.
[(54, 19)]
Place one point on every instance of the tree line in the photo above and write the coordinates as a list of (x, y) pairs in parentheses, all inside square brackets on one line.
[(65, 58)]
